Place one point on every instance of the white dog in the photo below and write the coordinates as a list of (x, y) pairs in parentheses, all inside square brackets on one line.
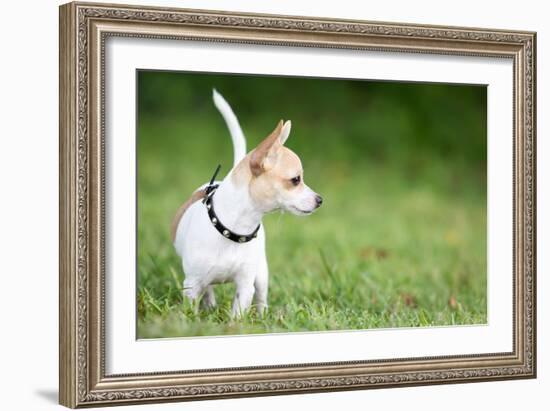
[(221, 237)]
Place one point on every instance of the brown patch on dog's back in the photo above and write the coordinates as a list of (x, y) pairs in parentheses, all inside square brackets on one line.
[(196, 196)]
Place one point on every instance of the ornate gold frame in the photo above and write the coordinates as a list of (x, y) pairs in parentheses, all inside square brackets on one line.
[(83, 30)]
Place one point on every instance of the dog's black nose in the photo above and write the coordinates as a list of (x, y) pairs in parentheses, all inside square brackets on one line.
[(318, 200)]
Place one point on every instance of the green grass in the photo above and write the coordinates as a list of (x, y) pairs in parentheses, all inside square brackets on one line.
[(400, 240), (375, 255)]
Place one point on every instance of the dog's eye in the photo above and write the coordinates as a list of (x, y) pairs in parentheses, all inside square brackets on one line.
[(296, 180)]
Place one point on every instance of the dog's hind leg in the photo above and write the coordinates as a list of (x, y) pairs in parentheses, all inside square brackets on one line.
[(208, 300), (193, 292)]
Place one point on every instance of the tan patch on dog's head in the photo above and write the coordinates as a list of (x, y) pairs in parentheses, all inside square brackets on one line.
[(262, 158), (276, 184), (274, 175), (241, 174)]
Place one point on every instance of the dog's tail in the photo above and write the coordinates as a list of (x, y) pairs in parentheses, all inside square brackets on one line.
[(239, 141)]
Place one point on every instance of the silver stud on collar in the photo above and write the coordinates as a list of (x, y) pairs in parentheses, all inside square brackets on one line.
[(214, 221), (226, 233), (242, 239), (209, 206)]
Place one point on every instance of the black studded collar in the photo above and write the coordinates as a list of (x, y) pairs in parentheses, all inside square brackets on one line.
[(218, 225)]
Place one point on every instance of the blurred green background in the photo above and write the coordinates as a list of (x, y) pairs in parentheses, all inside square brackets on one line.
[(400, 239)]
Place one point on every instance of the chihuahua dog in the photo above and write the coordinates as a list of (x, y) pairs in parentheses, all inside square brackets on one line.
[(218, 231)]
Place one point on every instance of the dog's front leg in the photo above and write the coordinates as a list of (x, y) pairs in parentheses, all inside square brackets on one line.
[(243, 297), (261, 283)]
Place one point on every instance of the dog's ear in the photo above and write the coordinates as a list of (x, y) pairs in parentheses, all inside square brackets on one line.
[(266, 152), (285, 132)]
